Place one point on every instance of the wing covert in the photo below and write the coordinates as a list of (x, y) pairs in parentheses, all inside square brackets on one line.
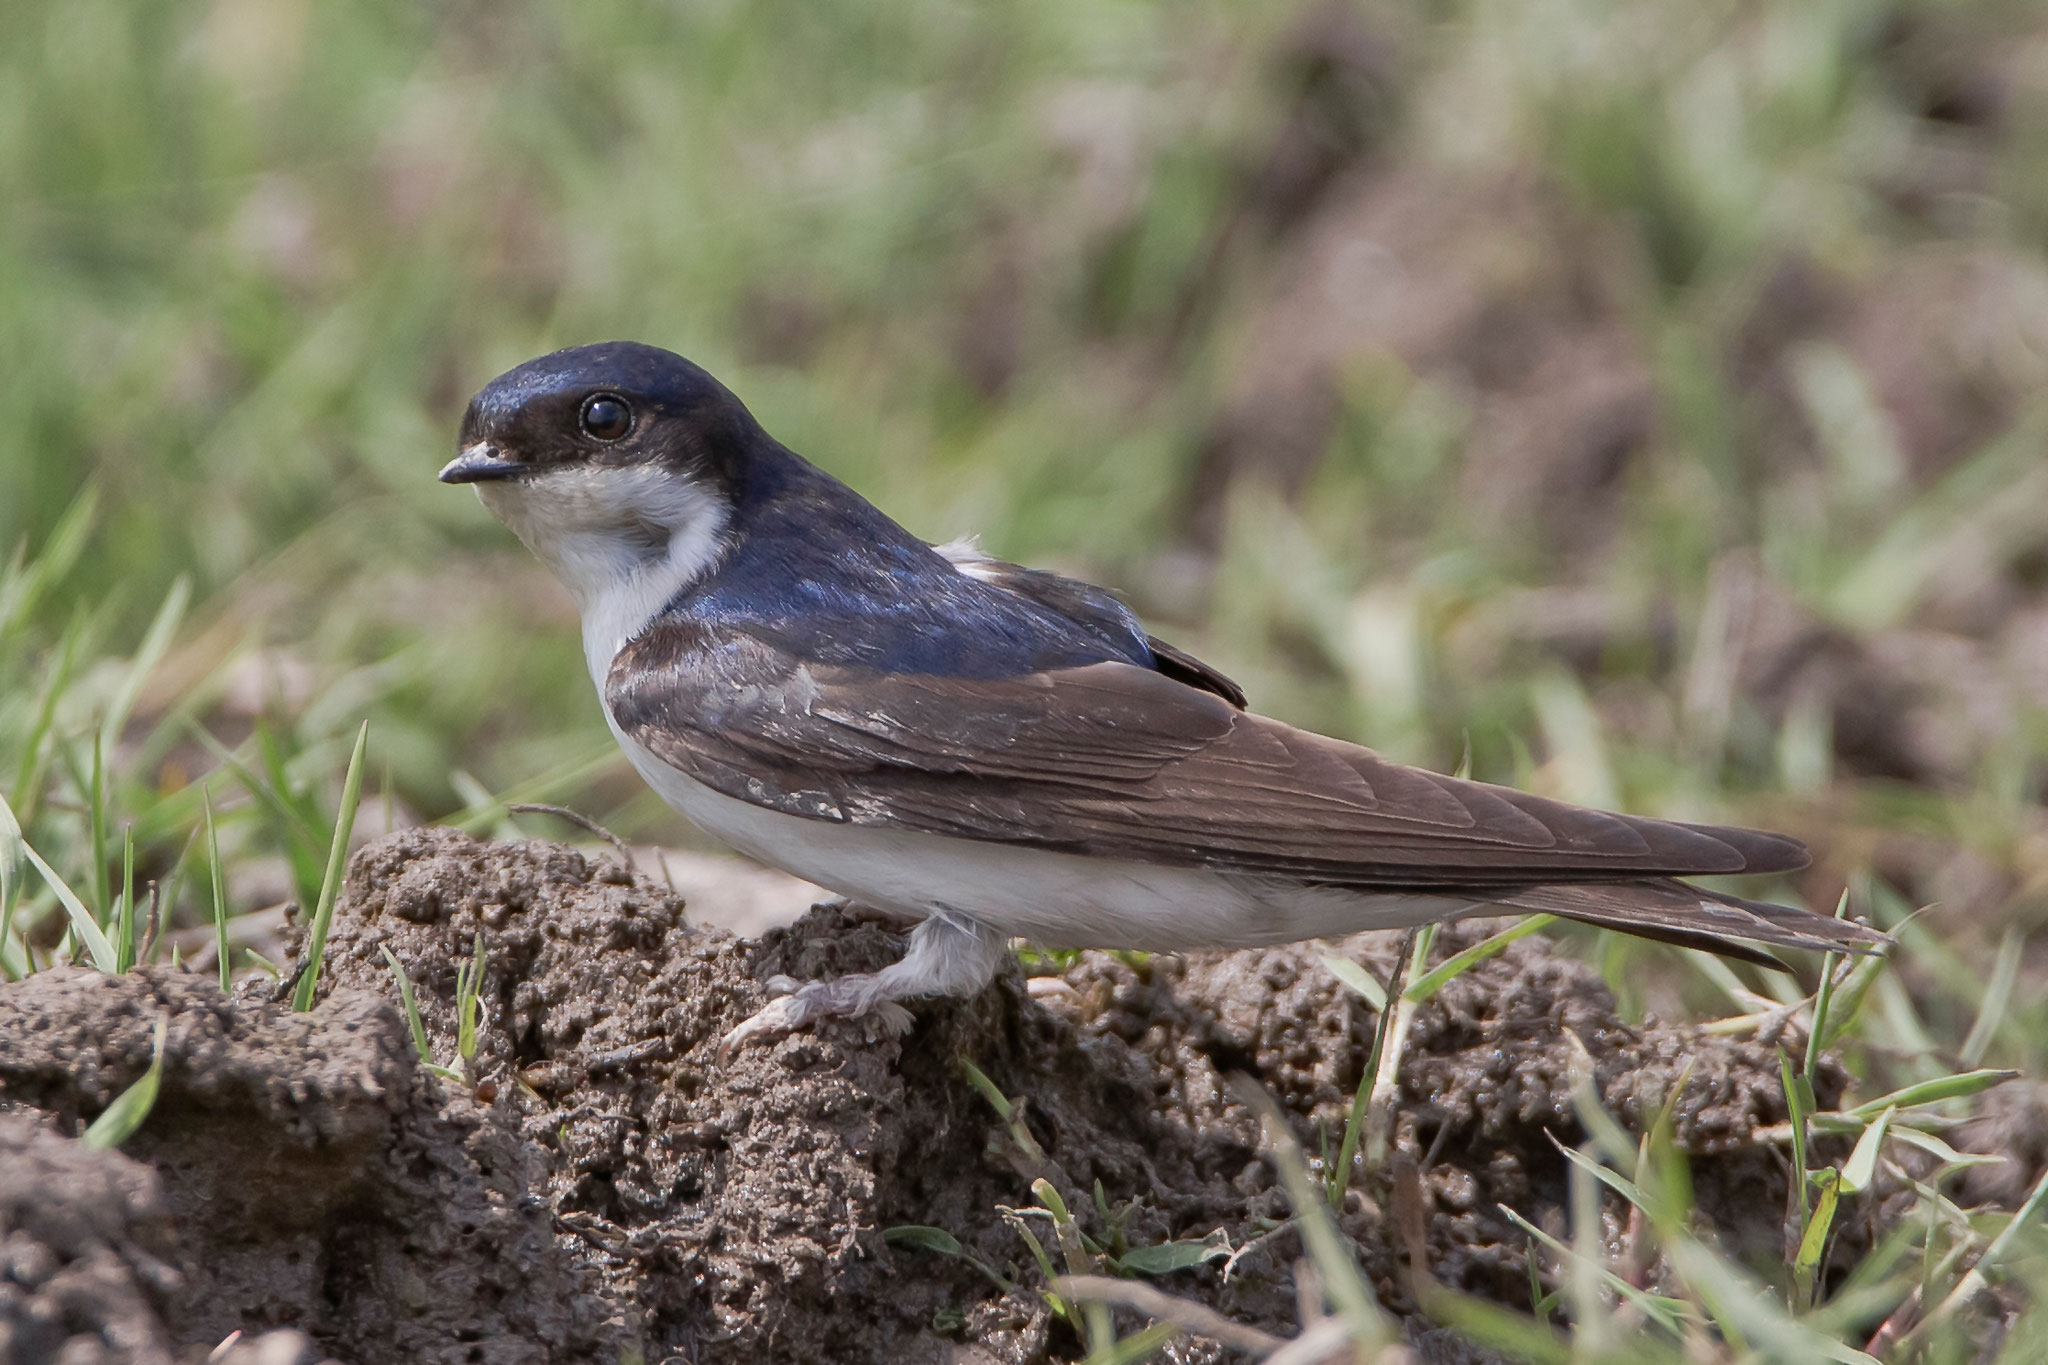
[(1116, 760)]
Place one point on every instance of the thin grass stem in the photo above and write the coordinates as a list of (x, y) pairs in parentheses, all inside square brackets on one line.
[(220, 900), (330, 884)]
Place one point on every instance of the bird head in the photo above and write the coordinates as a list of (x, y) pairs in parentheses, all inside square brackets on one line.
[(606, 459)]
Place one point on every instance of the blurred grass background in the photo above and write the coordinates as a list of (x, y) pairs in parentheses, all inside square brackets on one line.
[(1644, 402), (1645, 399)]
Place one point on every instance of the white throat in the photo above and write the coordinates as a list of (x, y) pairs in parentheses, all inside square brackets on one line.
[(623, 541)]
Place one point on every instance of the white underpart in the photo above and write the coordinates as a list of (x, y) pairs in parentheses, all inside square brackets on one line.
[(590, 526), (1059, 899), (622, 540)]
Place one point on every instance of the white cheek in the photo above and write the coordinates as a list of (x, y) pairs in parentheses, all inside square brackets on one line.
[(585, 498), (622, 541)]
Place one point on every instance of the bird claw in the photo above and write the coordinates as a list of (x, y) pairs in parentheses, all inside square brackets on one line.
[(776, 1019), (798, 1006), (948, 955)]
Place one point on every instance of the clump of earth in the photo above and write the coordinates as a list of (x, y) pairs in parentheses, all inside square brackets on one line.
[(596, 1183)]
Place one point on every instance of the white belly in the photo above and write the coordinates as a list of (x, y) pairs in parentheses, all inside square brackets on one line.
[(1058, 899)]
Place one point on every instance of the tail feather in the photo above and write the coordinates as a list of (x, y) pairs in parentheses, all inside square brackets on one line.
[(1694, 917)]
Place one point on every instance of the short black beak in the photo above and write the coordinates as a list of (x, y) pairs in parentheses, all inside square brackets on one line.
[(478, 463)]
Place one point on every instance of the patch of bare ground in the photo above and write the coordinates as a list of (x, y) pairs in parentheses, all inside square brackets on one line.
[(601, 1185)]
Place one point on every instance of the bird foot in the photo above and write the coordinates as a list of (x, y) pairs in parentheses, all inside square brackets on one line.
[(949, 954), (801, 1005)]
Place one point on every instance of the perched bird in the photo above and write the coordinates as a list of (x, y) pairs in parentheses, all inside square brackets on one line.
[(996, 751)]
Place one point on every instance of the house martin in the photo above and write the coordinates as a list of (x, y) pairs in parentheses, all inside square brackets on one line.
[(995, 751)]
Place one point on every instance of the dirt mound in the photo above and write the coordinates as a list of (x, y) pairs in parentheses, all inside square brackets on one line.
[(598, 1185), (85, 1245), (315, 1176), (88, 1269)]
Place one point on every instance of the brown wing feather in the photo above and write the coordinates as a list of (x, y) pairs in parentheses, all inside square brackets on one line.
[(1183, 667), (1119, 761)]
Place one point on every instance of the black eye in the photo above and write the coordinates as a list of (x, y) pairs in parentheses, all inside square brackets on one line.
[(606, 416)]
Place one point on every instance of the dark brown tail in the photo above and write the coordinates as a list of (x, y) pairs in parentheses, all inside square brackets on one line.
[(1694, 917)]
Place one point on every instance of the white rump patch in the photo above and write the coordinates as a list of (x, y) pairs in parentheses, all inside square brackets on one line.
[(965, 554)]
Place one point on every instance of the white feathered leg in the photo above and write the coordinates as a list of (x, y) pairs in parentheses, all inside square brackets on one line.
[(949, 954)]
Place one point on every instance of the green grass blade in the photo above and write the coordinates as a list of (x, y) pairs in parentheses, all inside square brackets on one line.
[(1974, 1282), (1334, 1256), (163, 900), (1848, 998), (1006, 1110), (1044, 1260), (411, 1003), (987, 1088), (1457, 964), (1949, 1157), (288, 822), (147, 656), (305, 827), (1814, 1241), (82, 923), (1723, 978), (1163, 1258), (1612, 1179), (1744, 1310), (1098, 1328), (1358, 980), (1899, 1028), (96, 796), (1823, 999), (1797, 1111), (1932, 1092), (1386, 1059), (330, 884), (1338, 1178), (920, 1236), (220, 899), (1615, 1143), (469, 986), (23, 587), (1861, 1167), (482, 809), (1502, 1330), (28, 773), (277, 770), (926, 1238), (2005, 973), (124, 934), (132, 1105), (1136, 1348), (10, 886), (1668, 1313), (1592, 1316)]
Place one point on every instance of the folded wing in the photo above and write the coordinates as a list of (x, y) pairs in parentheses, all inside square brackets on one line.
[(1119, 761)]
